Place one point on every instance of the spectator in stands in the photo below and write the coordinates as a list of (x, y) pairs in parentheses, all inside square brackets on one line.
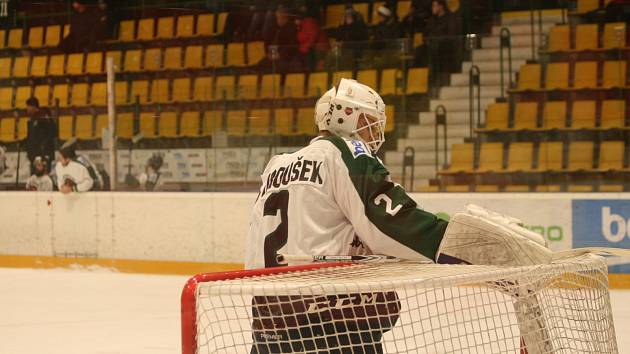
[(150, 180), (103, 29), (41, 134), (39, 180), (351, 36), (282, 37), (313, 42), (387, 30), (83, 24), (618, 11), (76, 173), (414, 21), (238, 21)]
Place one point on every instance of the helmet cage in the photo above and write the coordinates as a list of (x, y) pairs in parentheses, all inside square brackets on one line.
[(375, 127)]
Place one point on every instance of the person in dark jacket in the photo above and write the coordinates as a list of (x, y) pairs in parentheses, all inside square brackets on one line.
[(442, 34), (283, 36), (387, 30), (352, 35), (84, 23), (41, 134)]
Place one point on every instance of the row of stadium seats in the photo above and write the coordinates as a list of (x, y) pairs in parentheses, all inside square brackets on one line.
[(172, 27), (169, 124), (584, 113), (523, 188), (587, 37), (208, 88), (48, 36), (576, 75), (521, 157)]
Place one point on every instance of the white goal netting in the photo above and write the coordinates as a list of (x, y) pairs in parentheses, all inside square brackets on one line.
[(402, 307)]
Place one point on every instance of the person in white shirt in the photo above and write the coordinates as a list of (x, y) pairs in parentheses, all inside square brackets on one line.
[(72, 176), (39, 181)]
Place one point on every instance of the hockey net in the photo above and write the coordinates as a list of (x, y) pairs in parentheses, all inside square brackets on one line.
[(563, 307)]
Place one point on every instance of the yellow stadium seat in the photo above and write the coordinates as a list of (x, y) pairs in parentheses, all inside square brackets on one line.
[(159, 91), (6, 97), (305, 122), (462, 158), (7, 130), (402, 8), (559, 38), (557, 76), (614, 74), (124, 125), (126, 30), (60, 92), (140, 91), (225, 87), (549, 156), (490, 157), (579, 188), (247, 87), (580, 156), (53, 36), (117, 55), (3, 34), (255, 52), (38, 66), (497, 117), (334, 15), (22, 93), (455, 188), (520, 157), (391, 118), (214, 55), (202, 90), (529, 77), (388, 82), (611, 155), (181, 90), (212, 122), (583, 115), (65, 127), (516, 188), (75, 64), (83, 127), (5, 67), (236, 123), (133, 60), (294, 85), (189, 124), (221, 18), (554, 115), (185, 26), (338, 75), (148, 124), (193, 57), (259, 122), (368, 77), (611, 188), (584, 6), (168, 124), (98, 96), (173, 58), (270, 86), (613, 114), (614, 35), (79, 94), (15, 38), (526, 116), (585, 74), (153, 59), (547, 188), (102, 122), (235, 54), (586, 36), (94, 63), (145, 29), (205, 25), (20, 66), (362, 9), (317, 84), (22, 128), (486, 188), (283, 121), (121, 92), (165, 27), (36, 37), (417, 80), (42, 93), (56, 65)]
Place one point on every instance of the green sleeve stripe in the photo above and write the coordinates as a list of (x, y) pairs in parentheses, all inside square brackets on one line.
[(412, 227)]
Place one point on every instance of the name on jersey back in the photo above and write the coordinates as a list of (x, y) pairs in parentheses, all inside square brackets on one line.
[(301, 171)]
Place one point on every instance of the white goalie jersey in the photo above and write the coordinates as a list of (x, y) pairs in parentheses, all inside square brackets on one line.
[(333, 197)]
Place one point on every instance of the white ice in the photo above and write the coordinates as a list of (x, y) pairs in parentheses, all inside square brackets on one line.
[(101, 312)]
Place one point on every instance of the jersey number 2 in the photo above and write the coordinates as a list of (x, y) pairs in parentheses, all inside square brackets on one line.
[(278, 238)]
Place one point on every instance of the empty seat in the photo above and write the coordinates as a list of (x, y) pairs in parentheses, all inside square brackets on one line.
[(259, 122), (613, 114), (148, 124), (520, 157), (3, 34), (255, 52), (6, 97), (56, 64), (185, 27), (189, 124), (193, 57), (16, 36), (60, 92), (83, 126), (165, 27), (516, 188), (585, 74), (38, 65), (462, 158), (94, 63), (417, 80), (214, 55), (221, 18), (559, 36), (102, 122), (391, 118), (7, 130), (124, 125), (20, 66), (368, 77), (168, 124), (133, 60), (334, 15), (42, 93), (579, 188), (159, 91), (583, 115), (5, 67), (53, 36), (145, 29), (611, 155), (117, 56), (66, 127), (549, 156), (402, 7), (388, 82), (22, 93), (202, 90), (317, 84), (36, 37), (212, 122), (526, 116), (614, 74), (611, 188), (497, 116), (547, 188), (152, 59), (173, 58), (294, 85), (80, 94), (457, 188), (486, 188), (121, 92), (225, 86), (283, 121), (490, 157), (98, 96), (247, 86), (580, 156), (22, 128), (338, 75), (181, 90), (236, 123), (75, 64), (270, 86), (235, 54), (140, 91), (126, 30), (614, 35), (554, 115), (584, 6), (205, 25), (557, 76), (529, 77), (305, 124), (586, 36)]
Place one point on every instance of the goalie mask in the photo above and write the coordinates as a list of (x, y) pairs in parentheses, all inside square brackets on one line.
[(357, 112), (322, 107)]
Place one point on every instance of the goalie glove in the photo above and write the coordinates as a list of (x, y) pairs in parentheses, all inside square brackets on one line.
[(484, 237)]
